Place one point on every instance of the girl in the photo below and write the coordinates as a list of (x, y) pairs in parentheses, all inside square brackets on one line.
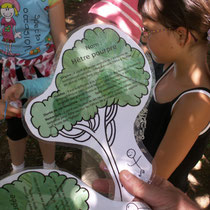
[(27, 27), (177, 123)]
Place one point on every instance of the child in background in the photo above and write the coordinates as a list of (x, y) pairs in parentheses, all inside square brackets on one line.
[(177, 122), (27, 51), (122, 13)]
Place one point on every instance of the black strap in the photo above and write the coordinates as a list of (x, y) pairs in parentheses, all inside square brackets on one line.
[(37, 72), (19, 73)]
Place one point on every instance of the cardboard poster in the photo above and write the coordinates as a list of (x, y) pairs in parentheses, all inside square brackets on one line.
[(101, 82), (54, 190)]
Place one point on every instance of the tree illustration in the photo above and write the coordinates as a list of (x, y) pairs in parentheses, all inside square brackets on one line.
[(99, 73), (33, 190)]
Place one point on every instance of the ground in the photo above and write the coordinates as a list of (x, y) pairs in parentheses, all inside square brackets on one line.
[(69, 158)]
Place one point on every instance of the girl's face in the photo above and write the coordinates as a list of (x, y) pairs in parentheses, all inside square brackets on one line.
[(7, 12), (160, 41)]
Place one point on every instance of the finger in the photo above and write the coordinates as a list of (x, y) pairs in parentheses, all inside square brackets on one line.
[(139, 188), (101, 185), (103, 166), (11, 114), (158, 181), (14, 92), (12, 111), (105, 186), (10, 97)]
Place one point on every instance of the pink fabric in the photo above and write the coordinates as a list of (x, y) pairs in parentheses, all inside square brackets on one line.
[(44, 63), (7, 32), (124, 13)]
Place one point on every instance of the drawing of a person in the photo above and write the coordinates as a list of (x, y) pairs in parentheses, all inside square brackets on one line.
[(9, 8), (131, 153)]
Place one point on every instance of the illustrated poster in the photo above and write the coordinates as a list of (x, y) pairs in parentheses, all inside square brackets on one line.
[(55, 190), (102, 81)]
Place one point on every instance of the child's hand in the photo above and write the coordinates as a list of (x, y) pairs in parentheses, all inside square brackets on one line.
[(10, 111), (14, 92)]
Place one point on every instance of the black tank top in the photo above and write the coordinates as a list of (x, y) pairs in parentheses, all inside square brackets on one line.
[(157, 120)]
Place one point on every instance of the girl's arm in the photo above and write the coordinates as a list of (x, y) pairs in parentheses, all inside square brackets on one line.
[(35, 87), (190, 116), (27, 88), (57, 24)]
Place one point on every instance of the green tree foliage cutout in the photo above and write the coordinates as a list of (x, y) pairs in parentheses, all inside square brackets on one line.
[(109, 73), (100, 73), (33, 190)]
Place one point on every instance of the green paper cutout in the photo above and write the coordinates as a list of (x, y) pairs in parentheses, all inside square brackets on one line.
[(116, 77), (33, 190)]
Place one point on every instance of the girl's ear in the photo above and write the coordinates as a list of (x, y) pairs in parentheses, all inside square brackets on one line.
[(182, 35)]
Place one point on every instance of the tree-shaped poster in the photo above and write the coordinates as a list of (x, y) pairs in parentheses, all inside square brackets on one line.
[(102, 81), (43, 189)]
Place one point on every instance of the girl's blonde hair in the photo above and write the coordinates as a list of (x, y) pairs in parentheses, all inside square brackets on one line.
[(8, 5)]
